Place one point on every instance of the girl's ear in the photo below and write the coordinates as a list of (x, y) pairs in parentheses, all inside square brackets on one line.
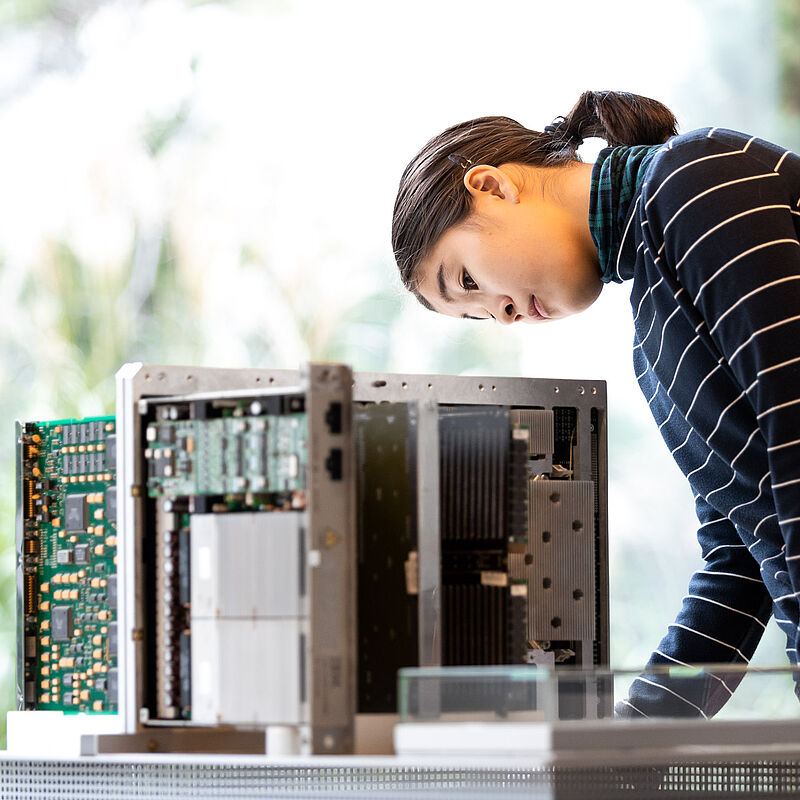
[(485, 182)]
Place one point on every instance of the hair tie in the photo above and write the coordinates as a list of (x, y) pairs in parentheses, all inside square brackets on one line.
[(559, 131), (458, 159)]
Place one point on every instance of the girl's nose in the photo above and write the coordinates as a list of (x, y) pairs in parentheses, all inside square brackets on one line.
[(507, 313)]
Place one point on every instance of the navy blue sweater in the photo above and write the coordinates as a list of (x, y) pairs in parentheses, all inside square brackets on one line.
[(712, 246)]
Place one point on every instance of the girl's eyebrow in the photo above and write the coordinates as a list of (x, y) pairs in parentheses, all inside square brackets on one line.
[(442, 285)]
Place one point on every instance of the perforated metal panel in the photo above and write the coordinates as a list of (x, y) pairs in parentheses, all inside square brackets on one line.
[(557, 562), (214, 778)]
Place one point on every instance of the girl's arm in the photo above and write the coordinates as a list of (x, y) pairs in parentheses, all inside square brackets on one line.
[(720, 622)]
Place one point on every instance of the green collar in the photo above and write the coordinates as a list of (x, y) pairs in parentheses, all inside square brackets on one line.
[(617, 177)]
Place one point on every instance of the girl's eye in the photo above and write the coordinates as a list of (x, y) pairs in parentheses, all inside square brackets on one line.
[(467, 282)]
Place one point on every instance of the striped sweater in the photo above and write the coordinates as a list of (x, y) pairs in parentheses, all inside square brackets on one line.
[(712, 245)]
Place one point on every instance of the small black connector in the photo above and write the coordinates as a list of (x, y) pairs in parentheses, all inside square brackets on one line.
[(333, 463), (333, 418)]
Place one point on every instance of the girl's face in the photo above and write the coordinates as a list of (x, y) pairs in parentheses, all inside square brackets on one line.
[(524, 254)]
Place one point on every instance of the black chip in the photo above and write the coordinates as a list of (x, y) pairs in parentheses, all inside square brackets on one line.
[(66, 465), (111, 504), (112, 639), (111, 451), (64, 557), (112, 685), (84, 432), (68, 699), (73, 465), (163, 466), (166, 434), (81, 553), (82, 464), (66, 435), (61, 623), (111, 588), (76, 512), (100, 684), (67, 679)]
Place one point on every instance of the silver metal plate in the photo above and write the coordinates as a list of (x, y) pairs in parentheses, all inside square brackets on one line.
[(560, 563)]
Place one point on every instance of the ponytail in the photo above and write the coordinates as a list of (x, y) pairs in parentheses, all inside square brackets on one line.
[(621, 118), (432, 198)]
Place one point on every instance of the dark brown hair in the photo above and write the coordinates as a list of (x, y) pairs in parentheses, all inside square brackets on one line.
[(432, 197)]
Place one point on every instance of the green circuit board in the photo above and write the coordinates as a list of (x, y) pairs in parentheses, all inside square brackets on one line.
[(69, 554), (227, 455)]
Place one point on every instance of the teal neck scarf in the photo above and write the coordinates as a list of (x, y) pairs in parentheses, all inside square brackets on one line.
[(616, 179)]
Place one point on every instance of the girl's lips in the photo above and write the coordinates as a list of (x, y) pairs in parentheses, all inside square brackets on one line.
[(535, 310)]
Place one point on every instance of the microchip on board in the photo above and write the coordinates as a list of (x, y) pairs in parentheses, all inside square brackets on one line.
[(61, 625), (75, 512)]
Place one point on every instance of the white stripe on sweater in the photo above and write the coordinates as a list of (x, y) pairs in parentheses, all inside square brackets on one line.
[(750, 294), (736, 258), (725, 222), (760, 331), (692, 666), (730, 608), (665, 689), (724, 185), (706, 636), (686, 166)]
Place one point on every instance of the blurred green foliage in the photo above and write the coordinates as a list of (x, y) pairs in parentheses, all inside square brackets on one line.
[(788, 39)]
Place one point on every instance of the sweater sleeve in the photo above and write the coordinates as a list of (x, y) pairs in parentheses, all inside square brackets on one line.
[(726, 595)]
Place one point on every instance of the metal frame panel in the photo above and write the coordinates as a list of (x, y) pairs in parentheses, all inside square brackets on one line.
[(332, 655), (137, 381)]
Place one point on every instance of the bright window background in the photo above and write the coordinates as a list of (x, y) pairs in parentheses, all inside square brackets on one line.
[(212, 183)]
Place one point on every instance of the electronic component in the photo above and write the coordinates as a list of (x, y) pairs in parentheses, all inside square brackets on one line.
[(81, 553), (61, 623), (232, 453), (75, 512), (292, 539), (66, 559)]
